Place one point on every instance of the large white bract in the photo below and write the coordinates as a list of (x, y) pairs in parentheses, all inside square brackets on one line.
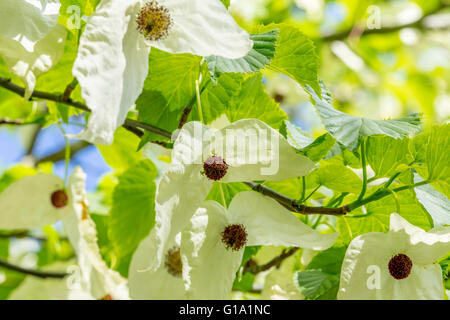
[(375, 264), (31, 42), (112, 61)]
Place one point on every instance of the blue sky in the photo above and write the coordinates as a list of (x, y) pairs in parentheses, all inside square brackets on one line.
[(50, 140)]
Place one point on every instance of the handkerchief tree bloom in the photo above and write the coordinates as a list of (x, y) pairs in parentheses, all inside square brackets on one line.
[(166, 282), (213, 245), (245, 150), (47, 201), (31, 41), (112, 61), (400, 264)]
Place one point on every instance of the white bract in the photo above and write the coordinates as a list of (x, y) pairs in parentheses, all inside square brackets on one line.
[(213, 246), (27, 203), (252, 151), (164, 283), (39, 200), (279, 285), (112, 61), (31, 42), (400, 264), (95, 279)]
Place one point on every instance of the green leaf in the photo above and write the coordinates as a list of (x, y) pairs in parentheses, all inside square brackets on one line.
[(350, 130), (313, 149), (229, 191), (329, 261), (249, 252), (133, 207), (377, 216), (264, 46), (314, 283), (15, 173), (240, 98), (226, 3), (153, 109), (173, 76), (337, 177), (386, 155), (122, 153), (295, 55), (431, 155)]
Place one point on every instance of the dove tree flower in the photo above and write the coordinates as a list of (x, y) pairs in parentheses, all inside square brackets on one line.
[(112, 61), (39, 200), (31, 41), (213, 245), (246, 150), (399, 264)]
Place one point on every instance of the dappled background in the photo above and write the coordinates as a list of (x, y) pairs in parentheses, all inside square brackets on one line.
[(379, 59)]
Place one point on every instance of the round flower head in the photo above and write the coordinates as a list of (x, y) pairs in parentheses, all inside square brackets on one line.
[(400, 264), (97, 280), (213, 245), (246, 150), (31, 42), (34, 201), (112, 61), (164, 283)]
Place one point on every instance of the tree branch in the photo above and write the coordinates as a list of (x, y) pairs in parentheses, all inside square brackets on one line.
[(416, 24), (60, 155), (129, 123), (275, 262), (292, 205), (11, 122), (32, 272)]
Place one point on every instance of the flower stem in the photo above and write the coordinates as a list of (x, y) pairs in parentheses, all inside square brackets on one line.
[(222, 196), (66, 154), (364, 168)]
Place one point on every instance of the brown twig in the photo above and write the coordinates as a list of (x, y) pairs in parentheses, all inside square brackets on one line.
[(60, 155), (32, 272), (291, 204), (11, 122), (184, 116), (275, 262)]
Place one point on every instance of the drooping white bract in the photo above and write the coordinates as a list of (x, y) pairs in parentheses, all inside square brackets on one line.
[(95, 279), (31, 42), (213, 246), (27, 204), (252, 150), (400, 264), (112, 61), (164, 283)]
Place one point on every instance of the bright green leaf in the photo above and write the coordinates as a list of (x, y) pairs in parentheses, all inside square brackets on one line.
[(133, 207)]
